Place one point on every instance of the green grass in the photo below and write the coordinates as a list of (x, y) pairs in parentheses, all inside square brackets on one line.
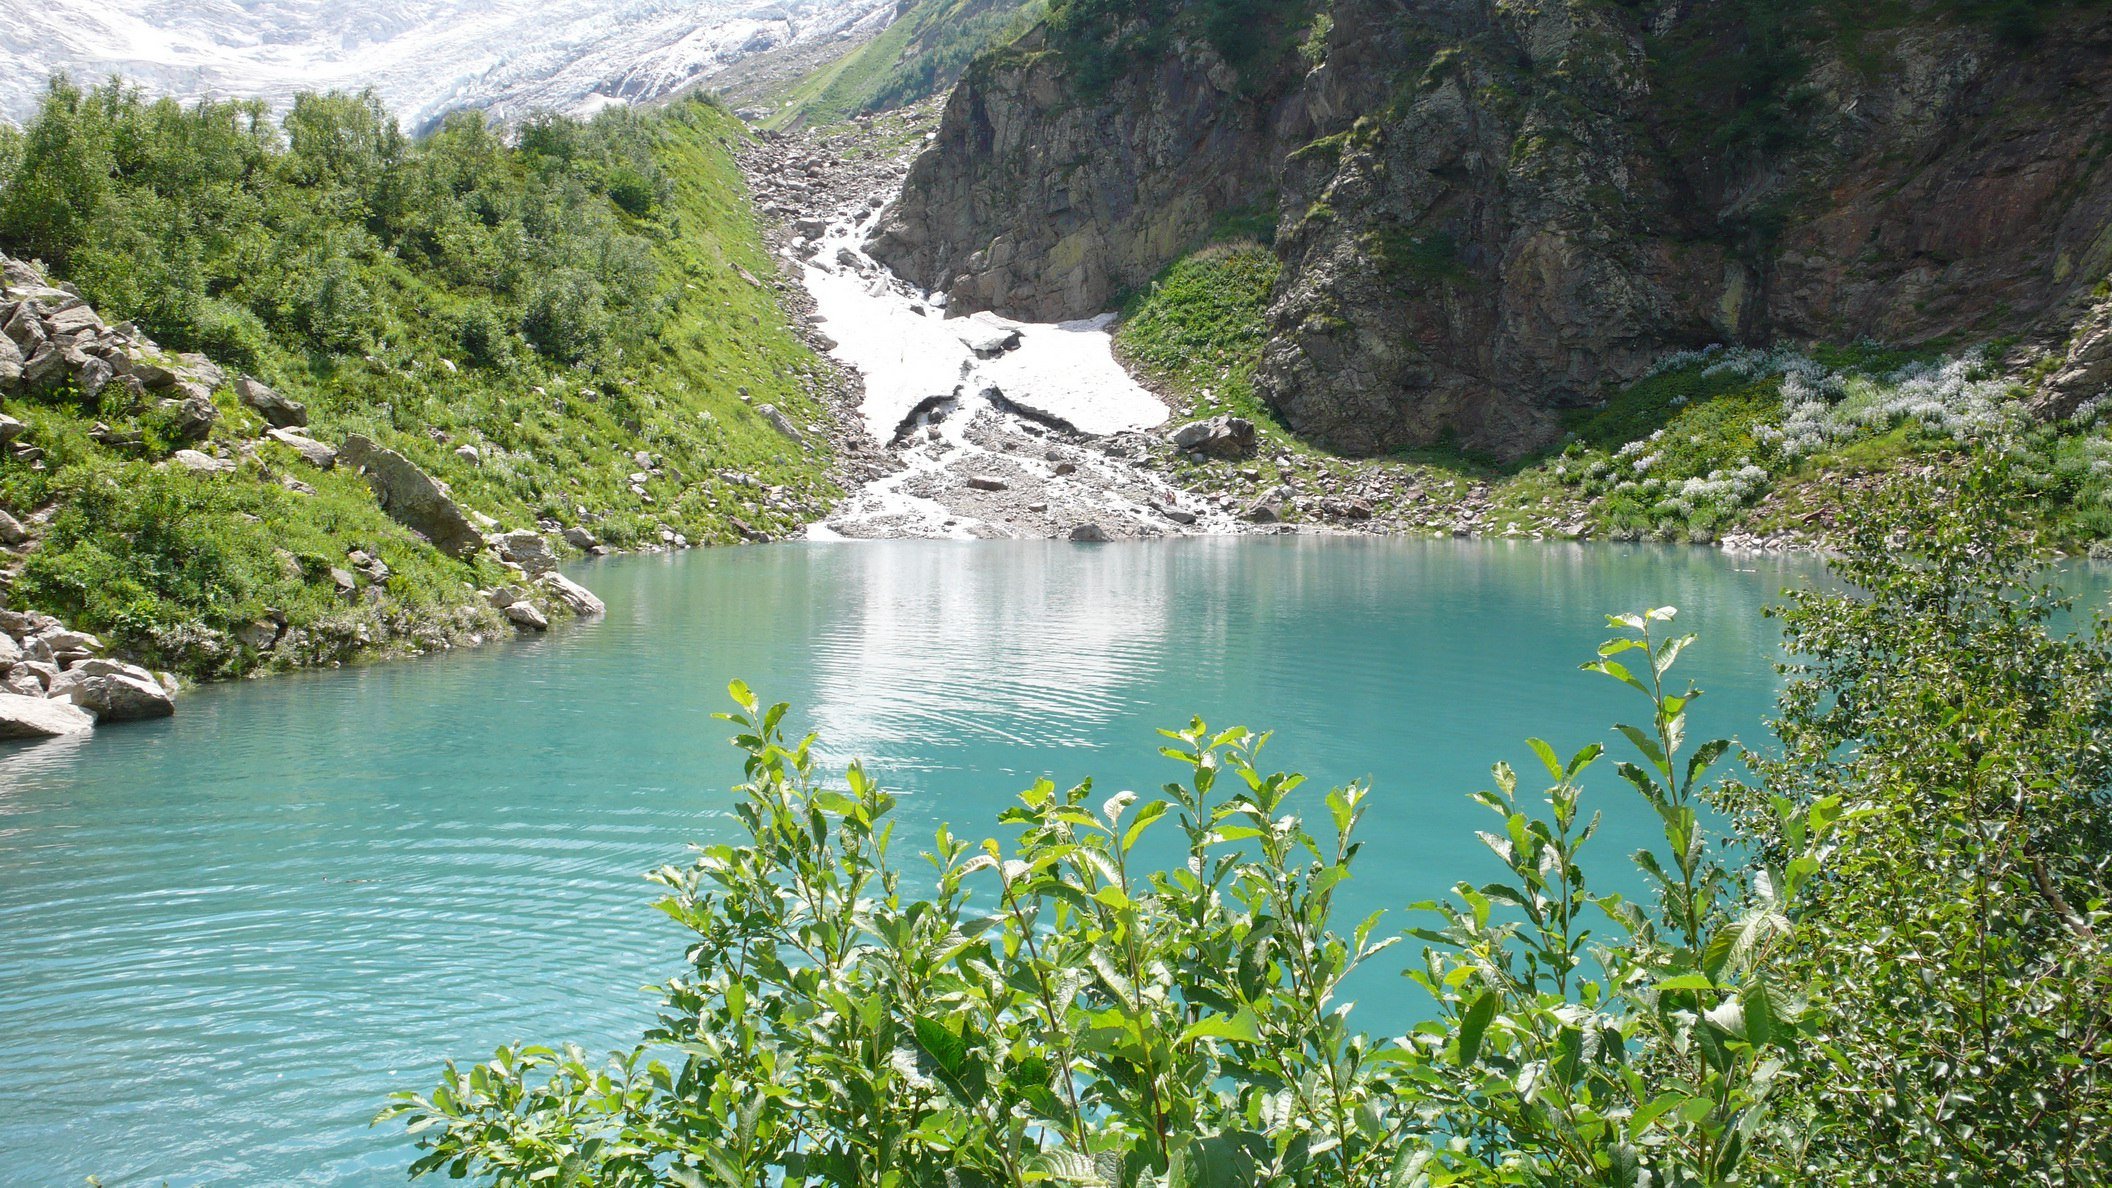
[(1199, 329)]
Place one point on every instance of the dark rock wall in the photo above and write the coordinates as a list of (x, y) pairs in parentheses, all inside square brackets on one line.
[(1487, 212)]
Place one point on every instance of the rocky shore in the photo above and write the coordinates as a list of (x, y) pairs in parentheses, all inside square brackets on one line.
[(55, 679)]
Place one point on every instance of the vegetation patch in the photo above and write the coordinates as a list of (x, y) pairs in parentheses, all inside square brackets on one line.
[(571, 327), (1199, 329)]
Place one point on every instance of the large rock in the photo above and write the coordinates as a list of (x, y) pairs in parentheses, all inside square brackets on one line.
[(529, 550), (10, 429), (1219, 437), (36, 717), (313, 452), (203, 463), (412, 497), (114, 692), (11, 530), (10, 652), (190, 417), (279, 411), (525, 616), (570, 593)]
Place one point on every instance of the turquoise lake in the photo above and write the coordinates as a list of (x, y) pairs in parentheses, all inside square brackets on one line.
[(224, 939)]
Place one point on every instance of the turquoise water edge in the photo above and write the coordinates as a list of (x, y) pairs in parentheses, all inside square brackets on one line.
[(229, 936)]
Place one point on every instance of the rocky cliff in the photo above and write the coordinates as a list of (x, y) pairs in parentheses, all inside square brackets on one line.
[(1487, 210)]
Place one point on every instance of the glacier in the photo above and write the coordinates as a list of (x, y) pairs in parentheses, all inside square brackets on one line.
[(423, 57)]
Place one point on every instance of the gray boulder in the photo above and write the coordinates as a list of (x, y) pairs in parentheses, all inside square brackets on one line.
[(203, 463), (1219, 437), (412, 497), (191, 417), (573, 595), (1090, 534), (10, 429), (114, 692), (526, 617), (10, 652), (11, 530), (277, 410), (313, 452), (36, 717), (526, 549)]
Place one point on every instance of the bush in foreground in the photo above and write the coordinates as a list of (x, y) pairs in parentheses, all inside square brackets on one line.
[(1060, 1010)]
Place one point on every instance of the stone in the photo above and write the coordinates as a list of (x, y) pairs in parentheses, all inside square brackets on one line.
[(778, 420), (412, 497), (73, 320), (94, 377), (190, 417), (525, 616), (470, 455), (203, 370), (1179, 515), (44, 367), (581, 539), (313, 452), (11, 530), (1265, 510), (10, 429), (23, 680), (983, 482), (114, 692), (36, 717), (278, 411), (571, 594), (347, 585), (1218, 437), (1064, 468), (192, 460), (1090, 534), (529, 550), (71, 641), (10, 652)]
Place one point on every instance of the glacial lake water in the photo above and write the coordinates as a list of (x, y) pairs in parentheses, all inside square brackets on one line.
[(224, 939)]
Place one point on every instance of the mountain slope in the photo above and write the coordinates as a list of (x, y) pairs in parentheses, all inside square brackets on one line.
[(1488, 212), (920, 54)]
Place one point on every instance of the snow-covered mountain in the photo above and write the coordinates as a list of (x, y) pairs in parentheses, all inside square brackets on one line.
[(425, 57)]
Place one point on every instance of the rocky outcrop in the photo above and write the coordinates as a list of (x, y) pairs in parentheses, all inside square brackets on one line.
[(412, 497), (36, 717), (53, 681), (113, 691), (1487, 212), (279, 411)]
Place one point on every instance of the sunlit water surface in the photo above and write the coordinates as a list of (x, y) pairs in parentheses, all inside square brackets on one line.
[(224, 939)]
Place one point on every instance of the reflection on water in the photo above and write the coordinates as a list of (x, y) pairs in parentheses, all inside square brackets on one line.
[(227, 936)]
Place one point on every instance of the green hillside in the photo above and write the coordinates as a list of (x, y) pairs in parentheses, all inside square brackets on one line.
[(569, 330), (920, 55)]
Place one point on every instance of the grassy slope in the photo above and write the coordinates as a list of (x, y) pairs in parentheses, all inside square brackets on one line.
[(170, 564), (920, 55)]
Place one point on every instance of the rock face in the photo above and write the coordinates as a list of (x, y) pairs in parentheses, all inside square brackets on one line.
[(1487, 211), (412, 497), (35, 717)]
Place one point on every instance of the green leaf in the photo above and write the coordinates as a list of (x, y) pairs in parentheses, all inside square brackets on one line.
[(1243, 1027), (1474, 1024)]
